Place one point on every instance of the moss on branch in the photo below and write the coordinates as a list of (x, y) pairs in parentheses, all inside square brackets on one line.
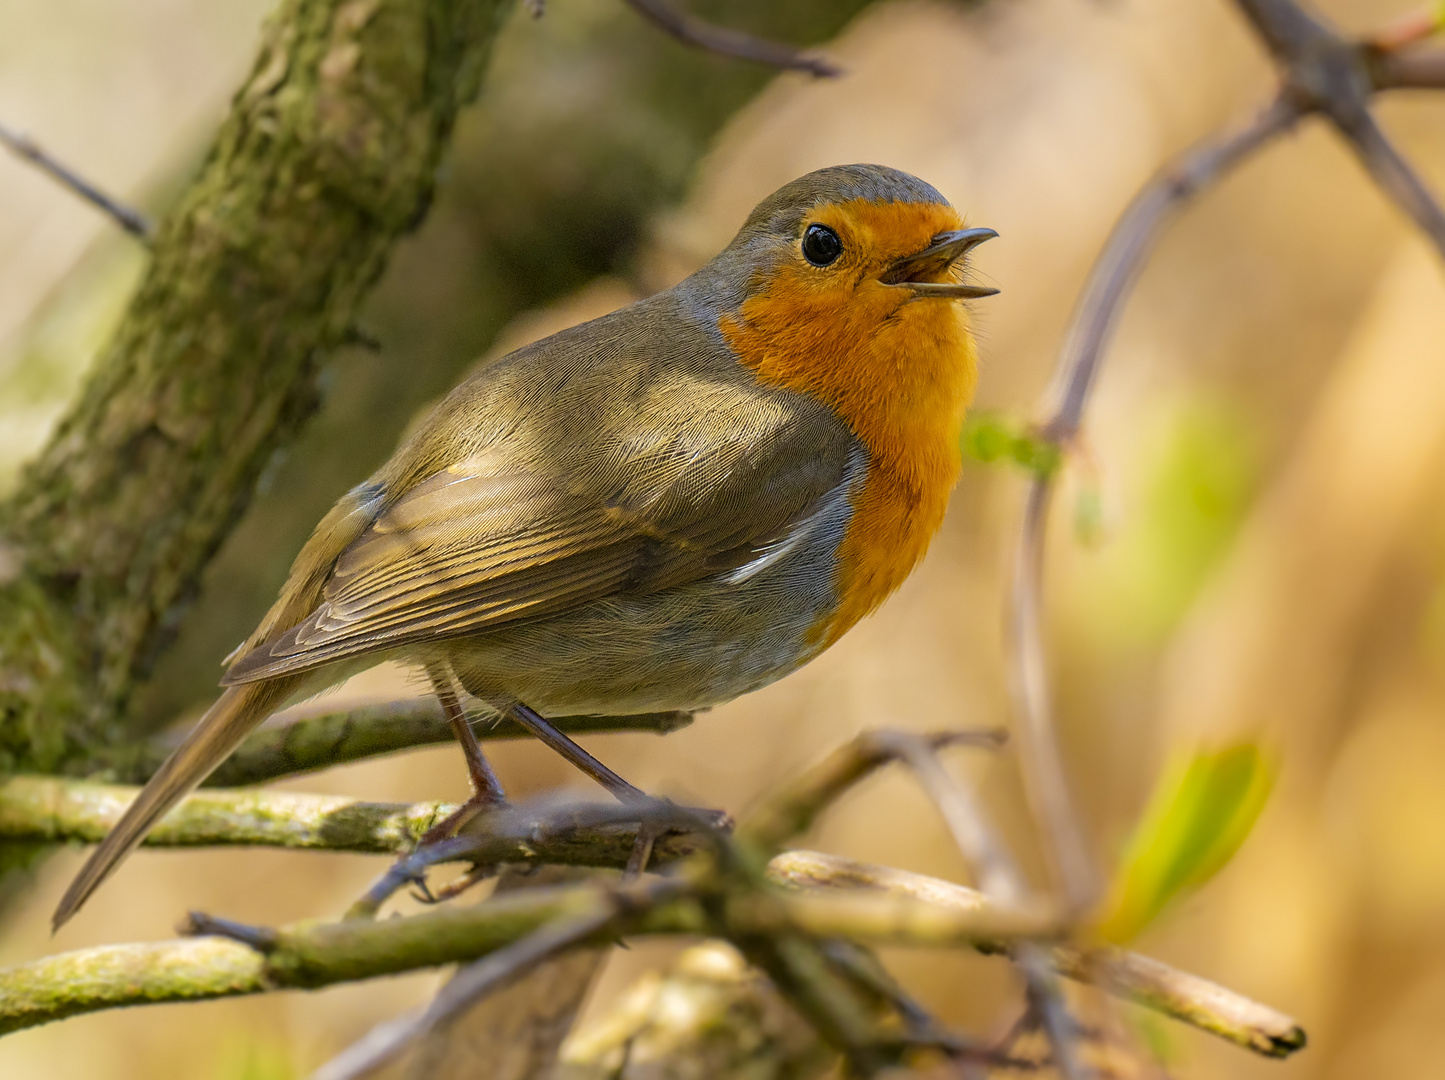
[(49, 810), (327, 158)]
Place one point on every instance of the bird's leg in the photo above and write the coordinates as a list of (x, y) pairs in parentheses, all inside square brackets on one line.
[(486, 788), (624, 792), (538, 726)]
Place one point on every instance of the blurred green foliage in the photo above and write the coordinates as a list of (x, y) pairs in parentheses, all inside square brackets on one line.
[(246, 1055), (1202, 810), (1190, 484), (990, 437)]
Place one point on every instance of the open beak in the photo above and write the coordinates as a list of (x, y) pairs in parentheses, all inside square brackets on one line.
[(915, 271)]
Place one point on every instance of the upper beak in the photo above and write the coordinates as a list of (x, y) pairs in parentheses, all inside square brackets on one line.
[(934, 259)]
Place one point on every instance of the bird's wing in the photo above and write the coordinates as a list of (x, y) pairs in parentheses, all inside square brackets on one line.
[(485, 542)]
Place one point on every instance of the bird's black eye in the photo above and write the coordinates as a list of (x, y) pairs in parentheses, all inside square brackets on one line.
[(821, 245)]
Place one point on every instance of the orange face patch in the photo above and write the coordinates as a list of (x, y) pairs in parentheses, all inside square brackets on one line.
[(899, 369)]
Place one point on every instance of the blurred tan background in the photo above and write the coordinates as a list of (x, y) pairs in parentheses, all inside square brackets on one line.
[(1268, 443)]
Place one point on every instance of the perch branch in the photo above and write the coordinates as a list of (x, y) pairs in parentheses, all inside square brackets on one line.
[(1395, 176), (693, 31), (26, 148), (916, 910), (52, 810), (311, 955), (1414, 69)]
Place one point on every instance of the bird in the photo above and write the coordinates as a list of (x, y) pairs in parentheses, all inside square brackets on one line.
[(661, 509)]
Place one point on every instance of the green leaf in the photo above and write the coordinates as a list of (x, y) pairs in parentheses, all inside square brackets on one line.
[(989, 437), (1202, 810)]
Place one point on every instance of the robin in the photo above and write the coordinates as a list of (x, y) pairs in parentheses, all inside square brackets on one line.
[(663, 508)]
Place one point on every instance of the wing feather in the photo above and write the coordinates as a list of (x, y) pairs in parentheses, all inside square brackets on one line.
[(501, 534)]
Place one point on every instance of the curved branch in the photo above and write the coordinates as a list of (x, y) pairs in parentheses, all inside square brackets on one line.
[(718, 39), (1108, 285)]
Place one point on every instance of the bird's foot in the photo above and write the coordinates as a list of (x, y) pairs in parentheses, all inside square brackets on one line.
[(453, 823)]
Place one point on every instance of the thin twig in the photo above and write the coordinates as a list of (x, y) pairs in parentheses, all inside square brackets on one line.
[(1003, 883), (1129, 245), (717, 39), (23, 146), (1395, 175), (791, 810), (1409, 69), (1108, 285)]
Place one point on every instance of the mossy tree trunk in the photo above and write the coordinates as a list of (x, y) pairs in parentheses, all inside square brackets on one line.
[(327, 157)]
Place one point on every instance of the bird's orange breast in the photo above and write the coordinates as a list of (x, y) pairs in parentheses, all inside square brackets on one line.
[(899, 370)]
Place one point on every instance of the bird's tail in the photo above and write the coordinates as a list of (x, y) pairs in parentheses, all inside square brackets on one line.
[(226, 723)]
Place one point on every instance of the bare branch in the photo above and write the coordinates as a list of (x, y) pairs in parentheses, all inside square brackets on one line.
[(1003, 884), (1394, 174), (1417, 69), (310, 954), (1129, 245), (880, 904), (717, 39), (1127, 975), (1286, 29), (555, 832), (792, 810), (1108, 285), (23, 146), (116, 976), (1188, 998)]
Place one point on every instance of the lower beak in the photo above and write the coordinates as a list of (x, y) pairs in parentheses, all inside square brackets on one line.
[(913, 271)]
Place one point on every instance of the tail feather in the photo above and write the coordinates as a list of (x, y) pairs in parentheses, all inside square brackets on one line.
[(226, 723)]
